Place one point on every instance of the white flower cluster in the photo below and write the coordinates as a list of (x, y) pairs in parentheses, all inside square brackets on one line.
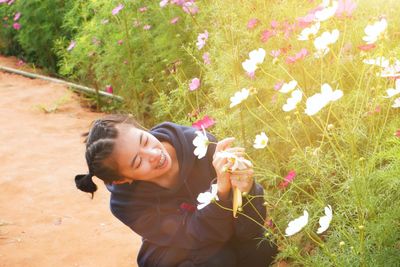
[(299, 223)]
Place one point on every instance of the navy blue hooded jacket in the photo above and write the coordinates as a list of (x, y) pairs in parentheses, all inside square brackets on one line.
[(159, 214)]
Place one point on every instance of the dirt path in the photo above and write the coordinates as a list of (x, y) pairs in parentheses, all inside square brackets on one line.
[(44, 219)]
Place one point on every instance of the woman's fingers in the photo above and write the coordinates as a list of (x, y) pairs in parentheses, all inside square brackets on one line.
[(243, 182), (224, 144), (249, 172), (235, 149)]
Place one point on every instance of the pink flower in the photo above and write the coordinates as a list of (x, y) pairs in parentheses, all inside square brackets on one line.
[(303, 22), (300, 55), (251, 74), (17, 26), (269, 223), (194, 84), (71, 46), (201, 40), (120, 42), (376, 110), (397, 133), (278, 85), (10, 2), (190, 8), (252, 23), (366, 47), (17, 16), (275, 53), (345, 8), (178, 2), (274, 24), (206, 58), (205, 122), (143, 9), (266, 35), (163, 3), (116, 10), (174, 20), (109, 89), (146, 27), (288, 179), (20, 63)]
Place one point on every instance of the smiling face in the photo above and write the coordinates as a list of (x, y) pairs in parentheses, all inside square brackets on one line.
[(140, 156)]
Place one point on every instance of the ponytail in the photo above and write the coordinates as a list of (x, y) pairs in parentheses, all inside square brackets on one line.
[(85, 183)]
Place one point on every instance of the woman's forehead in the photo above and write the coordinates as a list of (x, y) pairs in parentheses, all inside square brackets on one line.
[(129, 133)]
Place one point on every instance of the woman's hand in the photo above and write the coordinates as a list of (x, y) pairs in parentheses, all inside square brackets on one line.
[(243, 179), (222, 165)]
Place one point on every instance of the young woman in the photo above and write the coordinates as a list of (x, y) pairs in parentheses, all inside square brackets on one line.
[(155, 178)]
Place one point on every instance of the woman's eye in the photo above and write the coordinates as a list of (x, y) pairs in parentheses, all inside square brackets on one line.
[(140, 163), (147, 141)]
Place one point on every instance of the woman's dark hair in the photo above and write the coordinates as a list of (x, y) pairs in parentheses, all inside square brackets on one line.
[(100, 142)]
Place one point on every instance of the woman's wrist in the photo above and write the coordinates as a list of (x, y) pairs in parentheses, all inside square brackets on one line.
[(223, 195)]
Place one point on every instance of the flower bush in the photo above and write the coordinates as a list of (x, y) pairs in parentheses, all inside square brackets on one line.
[(320, 82), (30, 29), (137, 47)]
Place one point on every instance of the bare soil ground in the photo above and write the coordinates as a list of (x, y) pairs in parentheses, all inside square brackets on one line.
[(44, 219)]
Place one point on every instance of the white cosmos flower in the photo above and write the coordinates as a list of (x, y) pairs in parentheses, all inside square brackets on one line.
[(256, 57), (393, 91), (324, 221), (379, 61), (239, 163), (396, 103), (201, 143), (321, 42), (261, 141), (239, 97), (331, 95), (288, 87), (318, 101), (312, 30), (207, 197), (392, 70), (292, 102), (374, 31), (327, 12), (297, 224)]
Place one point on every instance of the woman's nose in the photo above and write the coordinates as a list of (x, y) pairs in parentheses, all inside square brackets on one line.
[(152, 153)]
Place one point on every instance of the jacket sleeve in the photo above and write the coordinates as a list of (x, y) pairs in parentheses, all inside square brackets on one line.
[(246, 228)]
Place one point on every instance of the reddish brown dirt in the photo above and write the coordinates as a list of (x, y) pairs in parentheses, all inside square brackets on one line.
[(44, 219)]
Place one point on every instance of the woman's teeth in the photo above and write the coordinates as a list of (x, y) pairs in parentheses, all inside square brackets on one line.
[(162, 160)]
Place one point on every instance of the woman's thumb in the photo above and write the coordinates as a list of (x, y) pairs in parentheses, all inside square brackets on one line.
[(224, 144)]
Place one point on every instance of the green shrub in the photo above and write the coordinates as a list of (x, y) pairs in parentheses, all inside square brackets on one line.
[(40, 25), (141, 65)]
